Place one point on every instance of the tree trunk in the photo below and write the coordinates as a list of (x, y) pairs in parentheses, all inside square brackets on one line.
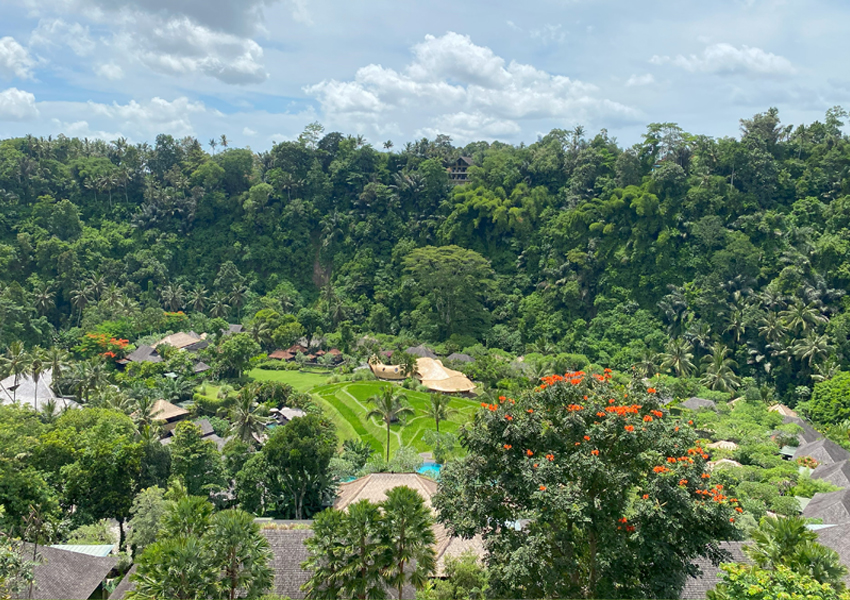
[(121, 535), (388, 441), (401, 579)]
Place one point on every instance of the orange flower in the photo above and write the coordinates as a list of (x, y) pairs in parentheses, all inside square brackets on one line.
[(611, 401), (705, 476), (578, 443), (658, 413), (530, 410), (600, 414), (705, 456), (670, 459), (650, 390), (683, 482), (508, 446), (587, 438), (509, 418), (502, 398), (739, 509), (529, 452), (542, 488), (660, 469), (595, 452), (646, 496), (535, 465), (690, 422), (731, 520), (647, 419), (551, 457), (629, 428), (676, 429)]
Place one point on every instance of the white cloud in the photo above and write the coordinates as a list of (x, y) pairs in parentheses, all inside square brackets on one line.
[(56, 32), (639, 80), (248, 132), (725, 58), (15, 60), (549, 34), (17, 105), (110, 71), (156, 115), (462, 87)]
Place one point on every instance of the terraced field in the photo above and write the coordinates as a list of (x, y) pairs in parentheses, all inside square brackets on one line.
[(346, 404)]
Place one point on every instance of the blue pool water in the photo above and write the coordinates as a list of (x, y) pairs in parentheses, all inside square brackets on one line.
[(430, 470)]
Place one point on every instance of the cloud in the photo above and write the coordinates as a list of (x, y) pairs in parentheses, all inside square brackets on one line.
[(15, 60), (155, 115), (110, 71), (461, 87), (549, 34), (639, 80), (56, 32), (247, 131), (17, 105), (727, 59), (181, 47)]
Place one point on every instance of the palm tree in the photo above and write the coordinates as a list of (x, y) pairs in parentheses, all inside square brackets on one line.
[(390, 406), (736, 325), (97, 284), (37, 363), (647, 364), (788, 542), (247, 416), (362, 573), (439, 409), (79, 300), (719, 373), (173, 296), (220, 307), (801, 316), (144, 413), (43, 298), (58, 359), (408, 537), (678, 357), (112, 295), (812, 348), (213, 143), (198, 298), (14, 362), (260, 331), (771, 328), (237, 298), (242, 551), (223, 141)]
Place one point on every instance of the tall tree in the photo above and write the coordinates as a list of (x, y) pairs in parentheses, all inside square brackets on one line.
[(390, 406), (408, 539), (439, 409), (242, 552)]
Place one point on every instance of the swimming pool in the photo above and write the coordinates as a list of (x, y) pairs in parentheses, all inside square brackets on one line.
[(431, 470)]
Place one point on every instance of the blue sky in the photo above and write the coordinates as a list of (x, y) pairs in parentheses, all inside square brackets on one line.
[(260, 70)]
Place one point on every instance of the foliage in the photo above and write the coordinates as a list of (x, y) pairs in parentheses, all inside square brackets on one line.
[(195, 461), (464, 579), (745, 582), (830, 402), (603, 474)]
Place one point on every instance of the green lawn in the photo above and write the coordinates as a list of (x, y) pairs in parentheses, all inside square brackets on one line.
[(346, 404), (302, 382), (349, 401)]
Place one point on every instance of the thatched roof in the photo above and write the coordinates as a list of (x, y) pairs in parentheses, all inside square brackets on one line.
[(281, 355), (723, 462), (421, 351), (826, 452), (782, 410), (25, 391), (460, 357), (698, 404), (837, 537), (374, 487), (289, 551), (144, 354), (124, 586), (697, 588), (808, 435), (163, 410), (832, 507), (723, 445), (837, 474), (438, 378), (66, 575), (387, 372), (183, 341)]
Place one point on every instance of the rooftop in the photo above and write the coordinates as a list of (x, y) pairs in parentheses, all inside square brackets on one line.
[(69, 575)]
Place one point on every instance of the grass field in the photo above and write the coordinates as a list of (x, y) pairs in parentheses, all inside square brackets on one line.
[(346, 404)]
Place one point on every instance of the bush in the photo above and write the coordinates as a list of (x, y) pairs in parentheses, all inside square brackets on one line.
[(273, 365), (830, 402), (785, 505)]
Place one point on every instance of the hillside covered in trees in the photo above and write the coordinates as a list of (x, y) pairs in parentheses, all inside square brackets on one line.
[(714, 258)]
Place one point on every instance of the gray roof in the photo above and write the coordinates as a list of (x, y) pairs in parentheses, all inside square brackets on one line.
[(460, 357), (200, 367), (837, 537), (144, 353), (698, 404), (832, 507), (808, 435), (219, 442), (697, 588), (422, 351), (826, 452), (24, 392), (289, 552), (206, 427), (124, 586), (836, 473), (291, 413), (66, 575)]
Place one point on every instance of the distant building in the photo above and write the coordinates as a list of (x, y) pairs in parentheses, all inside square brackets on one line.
[(70, 575), (458, 170), (24, 391)]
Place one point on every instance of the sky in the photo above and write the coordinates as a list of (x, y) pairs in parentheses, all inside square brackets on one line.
[(259, 71)]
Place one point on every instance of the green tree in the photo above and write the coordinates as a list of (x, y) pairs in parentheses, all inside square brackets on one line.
[(14, 362), (719, 371), (328, 549), (439, 409), (234, 352), (196, 461), (176, 567), (390, 406), (746, 582), (602, 473), (455, 285), (242, 553), (297, 457), (408, 539), (362, 575), (247, 417), (147, 512), (830, 401)]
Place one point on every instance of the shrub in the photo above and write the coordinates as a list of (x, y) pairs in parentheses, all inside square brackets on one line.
[(830, 402)]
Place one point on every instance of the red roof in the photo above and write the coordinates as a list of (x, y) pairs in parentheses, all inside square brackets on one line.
[(335, 352), (295, 349), (281, 355)]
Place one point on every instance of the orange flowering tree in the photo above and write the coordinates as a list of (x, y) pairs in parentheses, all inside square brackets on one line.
[(102, 344), (584, 488)]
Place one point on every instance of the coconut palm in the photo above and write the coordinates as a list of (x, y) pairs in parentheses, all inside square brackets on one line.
[(36, 364), (247, 416), (772, 328), (812, 348), (58, 359), (242, 551), (390, 405), (679, 357), (43, 298), (219, 307), (408, 538), (802, 317), (80, 297), (647, 364), (719, 373), (14, 362), (198, 298), (439, 409)]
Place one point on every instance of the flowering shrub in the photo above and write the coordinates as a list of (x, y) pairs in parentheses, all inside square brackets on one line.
[(620, 507), (808, 462), (93, 344)]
